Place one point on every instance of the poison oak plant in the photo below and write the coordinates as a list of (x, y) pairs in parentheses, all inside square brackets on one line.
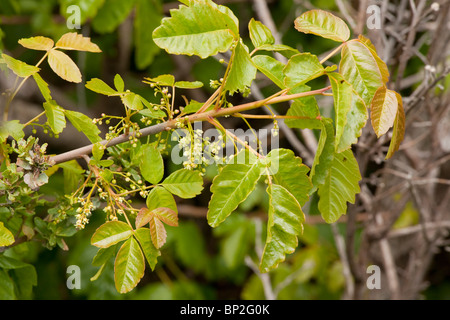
[(128, 161)]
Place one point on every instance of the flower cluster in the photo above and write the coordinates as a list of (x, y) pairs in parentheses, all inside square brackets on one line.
[(199, 150), (83, 213)]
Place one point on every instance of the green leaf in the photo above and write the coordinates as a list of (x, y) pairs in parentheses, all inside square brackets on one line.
[(306, 109), (43, 87), (356, 120), (132, 101), (285, 50), (25, 279), (242, 71), (190, 247), (188, 84), (150, 113), (194, 106), (150, 252), (100, 86), (55, 116), (399, 128), (383, 110), (290, 173), (6, 237), (341, 186), (148, 15), (118, 83), (184, 183), (342, 95), (111, 15), (160, 197), (324, 155), (11, 128), (103, 255), (237, 241), (163, 80), (230, 188), (271, 68), (381, 64), (23, 275), (151, 164), (88, 8), (260, 34), (129, 266), (84, 124), (201, 29), (302, 68), (21, 69), (7, 287), (283, 227), (360, 69), (324, 24), (111, 233), (72, 175), (98, 151)]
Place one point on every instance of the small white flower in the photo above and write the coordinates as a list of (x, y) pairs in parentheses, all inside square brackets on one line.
[(435, 6)]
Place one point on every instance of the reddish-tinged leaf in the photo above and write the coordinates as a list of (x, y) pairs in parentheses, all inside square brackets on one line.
[(143, 217), (384, 109), (157, 232), (166, 215), (399, 128)]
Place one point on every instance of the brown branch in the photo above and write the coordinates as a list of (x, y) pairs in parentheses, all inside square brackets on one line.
[(171, 124)]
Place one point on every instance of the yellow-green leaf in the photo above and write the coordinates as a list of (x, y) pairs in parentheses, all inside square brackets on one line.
[(37, 43), (381, 64), (55, 116), (360, 69), (129, 266), (64, 66), (149, 250), (111, 233), (283, 227), (202, 29), (76, 41), (384, 110), (341, 185), (324, 24), (302, 68), (260, 34), (6, 237), (399, 128), (20, 68)]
